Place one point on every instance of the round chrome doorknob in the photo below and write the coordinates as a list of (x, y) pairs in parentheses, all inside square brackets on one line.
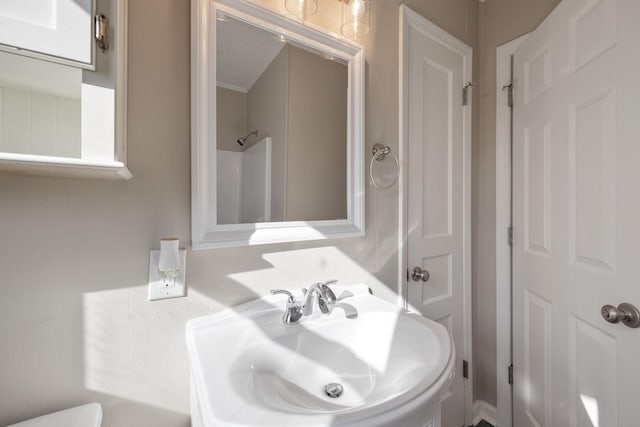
[(625, 313), (631, 315), (419, 274), (610, 313)]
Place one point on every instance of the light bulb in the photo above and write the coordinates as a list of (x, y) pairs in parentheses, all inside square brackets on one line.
[(355, 18), (169, 262), (301, 9), (356, 8)]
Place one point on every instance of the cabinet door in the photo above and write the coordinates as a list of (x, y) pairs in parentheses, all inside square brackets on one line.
[(59, 29)]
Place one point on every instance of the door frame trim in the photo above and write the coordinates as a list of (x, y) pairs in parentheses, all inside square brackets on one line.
[(503, 221), (410, 19)]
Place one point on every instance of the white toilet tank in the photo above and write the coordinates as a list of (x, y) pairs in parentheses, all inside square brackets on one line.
[(89, 415)]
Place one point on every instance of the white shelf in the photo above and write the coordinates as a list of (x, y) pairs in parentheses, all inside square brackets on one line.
[(28, 164)]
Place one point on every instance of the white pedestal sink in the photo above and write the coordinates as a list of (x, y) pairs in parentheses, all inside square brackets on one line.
[(249, 369)]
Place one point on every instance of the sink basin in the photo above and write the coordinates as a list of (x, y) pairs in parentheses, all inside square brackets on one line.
[(250, 369)]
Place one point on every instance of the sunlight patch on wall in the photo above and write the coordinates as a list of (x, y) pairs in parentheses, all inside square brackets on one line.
[(135, 349), (301, 268)]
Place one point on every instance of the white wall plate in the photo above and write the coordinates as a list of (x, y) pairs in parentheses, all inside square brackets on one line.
[(157, 288)]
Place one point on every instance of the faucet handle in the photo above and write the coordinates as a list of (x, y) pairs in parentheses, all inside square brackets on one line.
[(293, 312), (292, 299), (327, 292)]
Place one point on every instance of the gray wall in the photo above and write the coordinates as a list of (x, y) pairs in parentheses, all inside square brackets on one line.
[(231, 121), (292, 102), (74, 320), (500, 22), (317, 138)]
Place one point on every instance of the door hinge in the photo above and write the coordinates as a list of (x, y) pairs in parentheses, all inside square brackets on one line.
[(510, 374), (509, 89), (101, 23), (465, 369), (510, 236), (465, 93)]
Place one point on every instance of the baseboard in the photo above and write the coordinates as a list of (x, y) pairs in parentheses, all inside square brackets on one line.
[(483, 411)]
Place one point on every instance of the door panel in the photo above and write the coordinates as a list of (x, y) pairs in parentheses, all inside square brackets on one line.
[(575, 210), (537, 364), (593, 377)]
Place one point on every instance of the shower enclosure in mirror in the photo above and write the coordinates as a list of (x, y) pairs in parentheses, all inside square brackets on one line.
[(277, 129)]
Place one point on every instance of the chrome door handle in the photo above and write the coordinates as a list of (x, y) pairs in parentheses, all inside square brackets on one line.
[(418, 274), (625, 313)]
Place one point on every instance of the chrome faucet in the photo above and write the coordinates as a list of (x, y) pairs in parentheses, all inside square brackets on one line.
[(318, 296), (321, 296)]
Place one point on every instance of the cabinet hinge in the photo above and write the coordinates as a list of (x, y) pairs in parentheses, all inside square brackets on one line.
[(465, 369), (510, 374), (510, 236), (101, 24), (465, 93)]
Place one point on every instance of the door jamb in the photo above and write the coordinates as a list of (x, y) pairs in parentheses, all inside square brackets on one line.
[(410, 19), (503, 222)]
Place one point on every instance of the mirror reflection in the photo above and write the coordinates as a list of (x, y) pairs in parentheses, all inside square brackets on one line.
[(281, 128)]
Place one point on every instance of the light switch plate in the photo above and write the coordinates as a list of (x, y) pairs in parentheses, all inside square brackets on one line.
[(157, 288)]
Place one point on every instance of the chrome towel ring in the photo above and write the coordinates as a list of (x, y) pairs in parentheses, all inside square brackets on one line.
[(379, 153)]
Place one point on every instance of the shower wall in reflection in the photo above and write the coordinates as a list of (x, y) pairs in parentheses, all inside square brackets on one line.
[(244, 184)]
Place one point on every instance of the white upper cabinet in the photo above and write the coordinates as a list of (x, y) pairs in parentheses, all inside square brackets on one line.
[(56, 28), (62, 94)]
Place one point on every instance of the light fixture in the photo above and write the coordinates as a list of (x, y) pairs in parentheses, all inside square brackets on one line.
[(301, 9), (167, 270), (356, 15)]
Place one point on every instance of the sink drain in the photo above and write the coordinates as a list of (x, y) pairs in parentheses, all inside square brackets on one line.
[(333, 390)]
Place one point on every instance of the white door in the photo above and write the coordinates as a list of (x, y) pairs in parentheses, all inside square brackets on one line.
[(56, 28), (576, 210), (437, 128)]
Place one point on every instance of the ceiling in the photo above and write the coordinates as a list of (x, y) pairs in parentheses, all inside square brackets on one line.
[(243, 52)]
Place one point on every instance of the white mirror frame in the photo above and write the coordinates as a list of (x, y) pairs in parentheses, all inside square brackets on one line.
[(206, 233)]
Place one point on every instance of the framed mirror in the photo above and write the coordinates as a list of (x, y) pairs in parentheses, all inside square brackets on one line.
[(277, 128)]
